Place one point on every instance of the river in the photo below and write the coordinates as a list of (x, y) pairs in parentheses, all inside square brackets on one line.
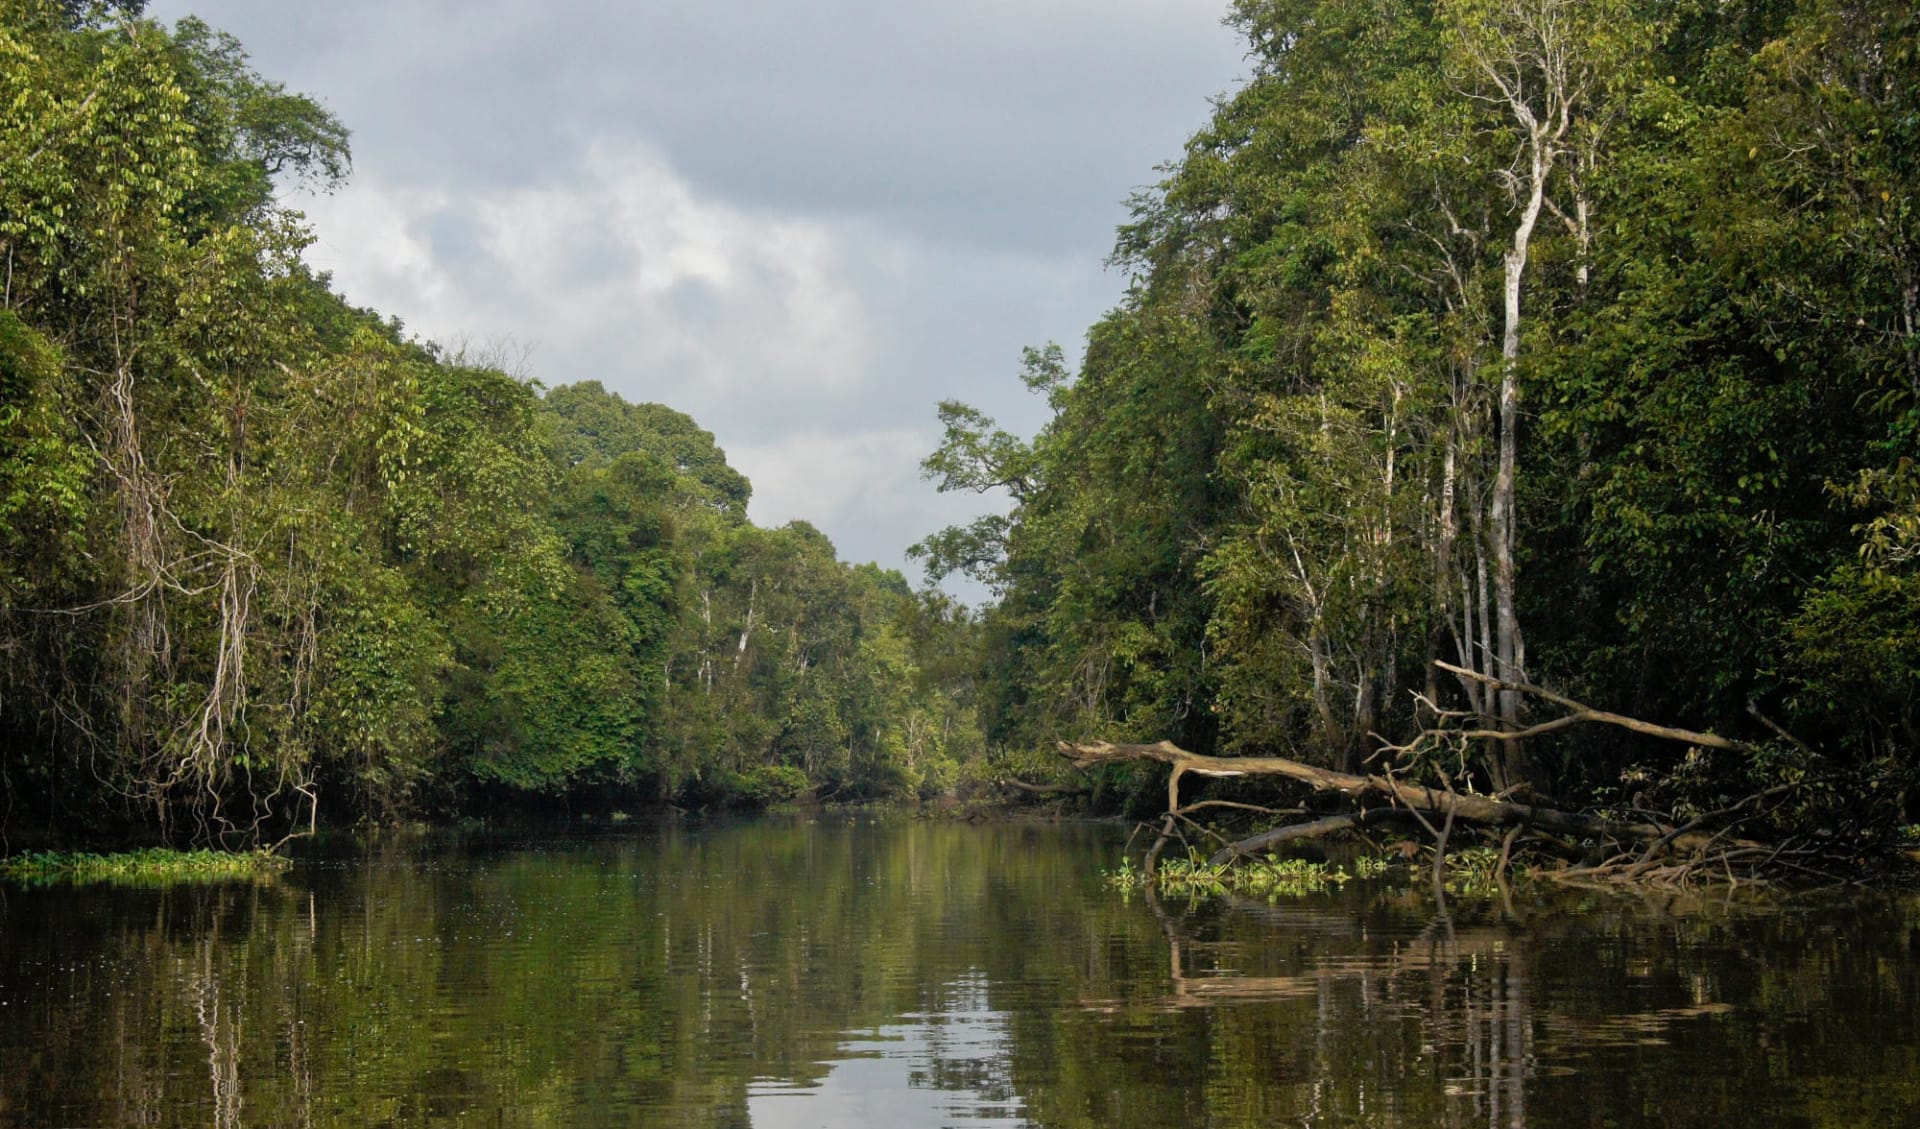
[(833, 971)]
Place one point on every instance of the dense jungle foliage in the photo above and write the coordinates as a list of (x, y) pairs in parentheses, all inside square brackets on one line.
[(1572, 342), (263, 556)]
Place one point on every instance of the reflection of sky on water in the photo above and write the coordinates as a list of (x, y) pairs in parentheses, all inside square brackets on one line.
[(940, 1068)]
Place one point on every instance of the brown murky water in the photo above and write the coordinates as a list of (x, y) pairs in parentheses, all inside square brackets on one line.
[(833, 972)]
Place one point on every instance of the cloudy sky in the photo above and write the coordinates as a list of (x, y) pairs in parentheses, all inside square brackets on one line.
[(803, 223)]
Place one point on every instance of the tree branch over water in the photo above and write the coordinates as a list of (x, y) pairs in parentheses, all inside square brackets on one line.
[(1673, 848)]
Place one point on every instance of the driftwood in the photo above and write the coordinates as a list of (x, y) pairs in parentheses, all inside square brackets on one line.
[(1041, 789), (1647, 849), (1417, 797), (1676, 854), (1293, 832)]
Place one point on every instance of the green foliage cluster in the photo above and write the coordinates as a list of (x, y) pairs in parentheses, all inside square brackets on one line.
[(153, 865), (1566, 340), (1474, 872), (265, 559), (1273, 877)]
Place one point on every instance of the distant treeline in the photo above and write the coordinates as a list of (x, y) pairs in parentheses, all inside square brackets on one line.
[(262, 555), (1571, 342)]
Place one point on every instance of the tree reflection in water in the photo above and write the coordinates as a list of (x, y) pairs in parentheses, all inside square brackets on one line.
[(799, 974)]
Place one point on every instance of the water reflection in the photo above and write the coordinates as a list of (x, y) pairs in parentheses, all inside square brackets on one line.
[(946, 1067), (908, 974)]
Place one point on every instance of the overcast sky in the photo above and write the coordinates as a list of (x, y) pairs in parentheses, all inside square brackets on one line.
[(803, 223)]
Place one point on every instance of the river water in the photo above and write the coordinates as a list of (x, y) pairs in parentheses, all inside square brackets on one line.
[(840, 971)]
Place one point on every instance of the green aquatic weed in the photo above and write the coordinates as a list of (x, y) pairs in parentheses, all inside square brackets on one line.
[(1194, 876), (1368, 866), (149, 865)]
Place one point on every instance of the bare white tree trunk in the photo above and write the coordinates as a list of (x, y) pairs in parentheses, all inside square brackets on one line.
[(1538, 61), (1510, 648)]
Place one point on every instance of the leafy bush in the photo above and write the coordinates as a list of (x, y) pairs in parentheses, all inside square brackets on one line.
[(771, 784)]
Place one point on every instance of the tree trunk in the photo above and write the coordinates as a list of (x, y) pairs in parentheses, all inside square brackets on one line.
[(1510, 648)]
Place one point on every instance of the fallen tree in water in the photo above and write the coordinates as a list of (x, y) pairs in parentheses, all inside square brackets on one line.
[(1671, 848)]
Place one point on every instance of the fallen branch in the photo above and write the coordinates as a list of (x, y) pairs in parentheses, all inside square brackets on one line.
[(1040, 789), (1419, 797), (1635, 846), (1290, 832), (1580, 712)]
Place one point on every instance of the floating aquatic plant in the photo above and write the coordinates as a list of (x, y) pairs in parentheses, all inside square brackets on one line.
[(152, 865)]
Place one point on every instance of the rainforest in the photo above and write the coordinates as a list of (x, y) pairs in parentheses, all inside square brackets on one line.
[(1485, 368), (1447, 654)]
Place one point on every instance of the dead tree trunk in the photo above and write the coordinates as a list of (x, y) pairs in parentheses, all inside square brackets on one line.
[(1671, 852), (1418, 797)]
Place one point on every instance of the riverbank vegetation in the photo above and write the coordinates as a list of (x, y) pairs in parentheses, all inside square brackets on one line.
[(266, 560), (151, 866), (1482, 359)]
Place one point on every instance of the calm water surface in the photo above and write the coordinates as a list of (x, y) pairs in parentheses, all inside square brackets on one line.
[(835, 972)]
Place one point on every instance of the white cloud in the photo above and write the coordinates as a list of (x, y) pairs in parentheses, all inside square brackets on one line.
[(864, 488), (818, 477), (613, 258), (370, 237), (804, 225)]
